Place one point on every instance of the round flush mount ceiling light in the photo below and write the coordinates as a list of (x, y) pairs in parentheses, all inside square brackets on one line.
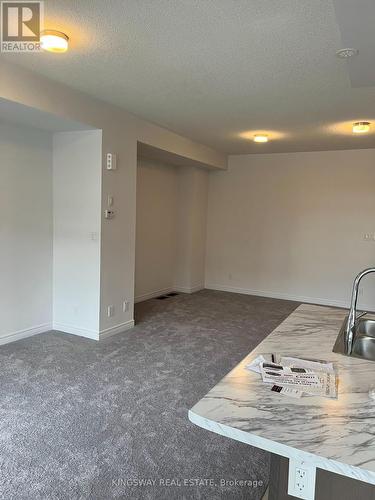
[(260, 138), (347, 53), (54, 41), (361, 127)]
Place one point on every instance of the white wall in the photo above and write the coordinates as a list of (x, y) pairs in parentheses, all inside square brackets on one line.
[(191, 237), (121, 131), (292, 225), (156, 232), (77, 221), (25, 231), (171, 228)]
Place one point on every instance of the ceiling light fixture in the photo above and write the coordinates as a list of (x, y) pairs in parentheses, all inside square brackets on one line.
[(54, 41), (347, 53), (260, 138), (361, 127)]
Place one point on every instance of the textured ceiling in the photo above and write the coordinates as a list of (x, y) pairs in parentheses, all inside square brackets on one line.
[(214, 69)]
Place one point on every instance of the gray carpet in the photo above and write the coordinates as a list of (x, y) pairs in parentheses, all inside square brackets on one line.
[(83, 420)]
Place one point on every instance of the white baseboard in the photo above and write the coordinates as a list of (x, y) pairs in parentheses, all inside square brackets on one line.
[(74, 330), (27, 332), (193, 289), (152, 295), (91, 334), (286, 296), (66, 328), (114, 330)]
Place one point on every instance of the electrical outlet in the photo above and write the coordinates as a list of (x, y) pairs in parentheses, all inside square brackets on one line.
[(125, 306), (110, 311), (94, 236), (301, 480), (109, 214)]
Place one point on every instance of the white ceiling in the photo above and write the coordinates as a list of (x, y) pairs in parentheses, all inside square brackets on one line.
[(213, 69)]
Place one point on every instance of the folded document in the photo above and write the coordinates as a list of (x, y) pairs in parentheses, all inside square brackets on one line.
[(295, 376)]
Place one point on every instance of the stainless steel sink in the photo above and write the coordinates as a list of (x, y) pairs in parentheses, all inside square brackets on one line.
[(363, 339), (357, 334)]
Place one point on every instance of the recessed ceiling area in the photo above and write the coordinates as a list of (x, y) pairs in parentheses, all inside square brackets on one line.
[(220, 71)]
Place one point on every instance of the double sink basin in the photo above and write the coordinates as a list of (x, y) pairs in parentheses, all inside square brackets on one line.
[(363, 340)]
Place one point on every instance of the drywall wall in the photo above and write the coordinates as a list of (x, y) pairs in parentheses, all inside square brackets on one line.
[(171, 228), (293, 225), (121, 131), (25, 231), (156, 230), (76, 232), (191, 236)]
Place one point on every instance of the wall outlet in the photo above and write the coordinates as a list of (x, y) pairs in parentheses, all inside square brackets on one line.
[(110, 311), (301, 480), (125, 306), (94, 236), (109, 214)]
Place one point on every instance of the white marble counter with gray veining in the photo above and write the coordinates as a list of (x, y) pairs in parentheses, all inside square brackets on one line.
[(336, 435)]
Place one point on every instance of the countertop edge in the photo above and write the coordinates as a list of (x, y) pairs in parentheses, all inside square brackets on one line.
[(283, 450)]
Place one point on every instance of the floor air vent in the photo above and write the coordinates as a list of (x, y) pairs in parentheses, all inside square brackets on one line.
[(167, 296)]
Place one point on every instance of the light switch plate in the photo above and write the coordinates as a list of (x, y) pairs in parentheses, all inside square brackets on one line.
[(111, 161)]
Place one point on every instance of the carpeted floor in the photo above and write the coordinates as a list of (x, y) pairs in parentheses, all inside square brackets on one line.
[(85, 420)]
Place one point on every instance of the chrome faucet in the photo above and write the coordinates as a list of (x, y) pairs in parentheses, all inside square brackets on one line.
[(352, 318)]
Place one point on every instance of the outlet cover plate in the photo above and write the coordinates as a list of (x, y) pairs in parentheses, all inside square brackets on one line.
[(301, 479)]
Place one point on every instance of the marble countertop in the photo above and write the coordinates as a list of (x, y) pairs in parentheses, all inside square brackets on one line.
[(335, 435)]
